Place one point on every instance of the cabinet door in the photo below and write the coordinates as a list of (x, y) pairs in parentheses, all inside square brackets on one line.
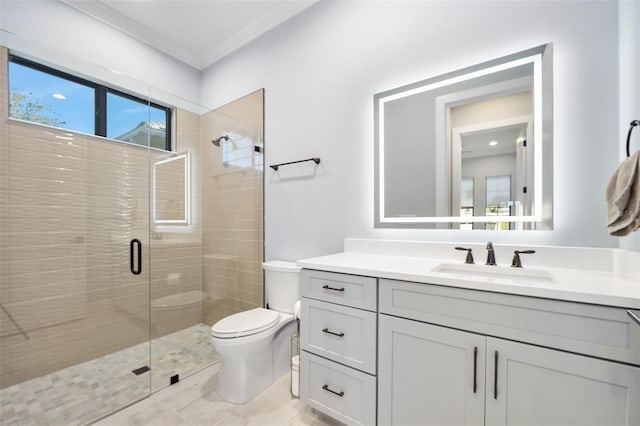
[(544, 387), (426, 374)]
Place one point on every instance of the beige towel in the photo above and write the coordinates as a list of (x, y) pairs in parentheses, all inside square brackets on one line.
[(623, 197)]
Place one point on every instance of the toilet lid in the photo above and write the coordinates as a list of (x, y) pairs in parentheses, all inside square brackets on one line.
[(245, 323)]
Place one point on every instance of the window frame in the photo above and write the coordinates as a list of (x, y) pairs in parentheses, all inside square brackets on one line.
[(100, 98)]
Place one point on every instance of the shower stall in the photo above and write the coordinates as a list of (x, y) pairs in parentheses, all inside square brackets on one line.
[(117, 256)]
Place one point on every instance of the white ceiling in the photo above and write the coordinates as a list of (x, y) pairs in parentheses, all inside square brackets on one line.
[(477, 144), (196, 32)]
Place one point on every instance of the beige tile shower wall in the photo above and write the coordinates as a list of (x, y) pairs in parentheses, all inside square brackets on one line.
[(232, 206), (73, 204)]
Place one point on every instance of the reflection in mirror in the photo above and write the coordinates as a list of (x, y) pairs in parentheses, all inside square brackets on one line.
[(468, 150), (171, 190)]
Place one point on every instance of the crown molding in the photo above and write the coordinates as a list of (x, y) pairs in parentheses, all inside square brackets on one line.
[(284, 11), (101, 11)]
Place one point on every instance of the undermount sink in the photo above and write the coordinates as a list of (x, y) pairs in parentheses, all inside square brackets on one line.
[(497, 273)]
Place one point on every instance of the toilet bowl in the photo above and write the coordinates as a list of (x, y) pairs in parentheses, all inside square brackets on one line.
[(255, 344)]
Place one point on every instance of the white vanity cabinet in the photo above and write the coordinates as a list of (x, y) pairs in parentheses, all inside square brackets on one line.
[(430, 372), (539, 386), (338, 341), (427, 374)]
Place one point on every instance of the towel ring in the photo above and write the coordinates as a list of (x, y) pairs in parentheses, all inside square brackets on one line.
[(633, 124)]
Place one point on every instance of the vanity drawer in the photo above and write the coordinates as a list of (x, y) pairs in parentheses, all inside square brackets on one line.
[(601, 331), (340, 333), (341, 392), (349, 290)]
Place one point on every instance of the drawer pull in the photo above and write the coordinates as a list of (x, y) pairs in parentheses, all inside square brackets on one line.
[(326, 287), (326, 387), (634, 317), (475, 368), (326, 330), (495, 376)]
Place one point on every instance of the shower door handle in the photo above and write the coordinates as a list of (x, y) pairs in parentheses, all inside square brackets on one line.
[(134, 270)]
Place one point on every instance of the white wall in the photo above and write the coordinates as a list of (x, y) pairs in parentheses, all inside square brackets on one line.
[(629, 45), (321, 70), (54, 32)]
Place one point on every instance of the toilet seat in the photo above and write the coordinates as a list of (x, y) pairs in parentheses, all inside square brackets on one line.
[(245, 323)]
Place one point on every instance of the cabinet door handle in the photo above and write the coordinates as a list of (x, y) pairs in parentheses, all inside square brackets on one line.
[(475, 368), (326, 287), (495, 376), (326, 330), (326, 387), (633, 316)]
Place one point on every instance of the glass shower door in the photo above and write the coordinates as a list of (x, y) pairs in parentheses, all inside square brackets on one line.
[(117, 254), (206, 246), (74, 278), (180, 341)]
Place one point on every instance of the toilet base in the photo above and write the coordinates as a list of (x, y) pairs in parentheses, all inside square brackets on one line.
[(241, 379), (244, 375)]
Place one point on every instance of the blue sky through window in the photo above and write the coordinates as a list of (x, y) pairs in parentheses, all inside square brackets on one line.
[(71, 105), (77, 109), (124, 114)]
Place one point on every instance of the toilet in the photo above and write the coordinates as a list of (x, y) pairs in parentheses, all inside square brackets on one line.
[(255, 344)]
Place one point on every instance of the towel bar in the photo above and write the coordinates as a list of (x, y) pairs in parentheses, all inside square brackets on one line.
[(633, 124), (275, 166)]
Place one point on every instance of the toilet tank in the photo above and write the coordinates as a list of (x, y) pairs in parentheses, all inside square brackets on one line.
[(281, 285)]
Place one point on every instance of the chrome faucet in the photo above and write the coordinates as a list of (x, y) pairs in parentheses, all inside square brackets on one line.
[(491, 256)]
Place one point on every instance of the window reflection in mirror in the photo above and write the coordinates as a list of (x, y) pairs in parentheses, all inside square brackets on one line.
[(171, 190), (492, 119)]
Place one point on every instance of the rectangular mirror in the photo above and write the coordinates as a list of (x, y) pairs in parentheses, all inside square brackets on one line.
[(470, 149), (171, 190)]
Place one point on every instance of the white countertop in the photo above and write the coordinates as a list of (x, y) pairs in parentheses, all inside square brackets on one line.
[(587, 286)]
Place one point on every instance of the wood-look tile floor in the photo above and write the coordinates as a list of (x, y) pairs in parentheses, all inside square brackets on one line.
[(194, 401)]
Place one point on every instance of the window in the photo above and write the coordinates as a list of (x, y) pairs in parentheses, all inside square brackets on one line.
[(466, 201), (498, 200), (133, 120), (47, 96)]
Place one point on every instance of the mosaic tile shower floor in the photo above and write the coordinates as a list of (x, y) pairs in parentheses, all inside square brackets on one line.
[(79, 394)]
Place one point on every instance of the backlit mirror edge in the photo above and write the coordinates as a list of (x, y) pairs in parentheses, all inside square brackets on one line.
[(187, 191), (543, 220)]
